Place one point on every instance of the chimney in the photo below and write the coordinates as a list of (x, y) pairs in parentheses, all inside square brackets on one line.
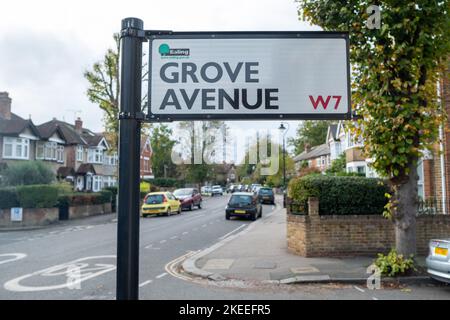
[(5, 106), (307, 147), (78, 125)]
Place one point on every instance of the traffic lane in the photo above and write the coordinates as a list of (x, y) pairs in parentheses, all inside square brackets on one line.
[(183, 238), (57, 250)]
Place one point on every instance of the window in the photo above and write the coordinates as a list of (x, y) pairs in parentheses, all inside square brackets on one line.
[(50, 151), (16, 148), (95, 156), (420, 184), (80, 150), (361, 169), (60, 154), (146, 164), (97, 183)]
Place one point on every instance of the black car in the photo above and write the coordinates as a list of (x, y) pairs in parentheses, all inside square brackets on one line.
[(266, 195), (243, 204)]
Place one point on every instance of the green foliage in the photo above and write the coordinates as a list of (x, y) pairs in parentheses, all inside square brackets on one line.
[(27, 173), (113, 190), (80, 198), (394, 264), (162, 143), (312, 132), (8, 198), (395, 71), (166, 183), (37, 196), (337, 166), (339, 195)]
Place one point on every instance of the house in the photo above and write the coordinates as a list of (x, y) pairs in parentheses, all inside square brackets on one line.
[(146, 158), (314, 157), (74, 153)]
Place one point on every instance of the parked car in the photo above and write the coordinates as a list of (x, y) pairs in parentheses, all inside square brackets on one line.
[(438, 260), (189, 197), (216, 190), (157, 203), (243, 204), (266, 195), (232, 188), (254, 186), (240, 188), (205, 190)]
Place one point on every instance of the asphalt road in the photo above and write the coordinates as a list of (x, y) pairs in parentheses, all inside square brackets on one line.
[(40, 264)]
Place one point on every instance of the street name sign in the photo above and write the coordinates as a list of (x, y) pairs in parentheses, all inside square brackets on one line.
[(249, 75)]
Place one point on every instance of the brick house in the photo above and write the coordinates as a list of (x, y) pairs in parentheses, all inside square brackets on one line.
[(315, 157), (74, 153), (146, 158)]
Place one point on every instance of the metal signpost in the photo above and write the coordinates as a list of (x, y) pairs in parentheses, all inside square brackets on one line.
[(218, 75)]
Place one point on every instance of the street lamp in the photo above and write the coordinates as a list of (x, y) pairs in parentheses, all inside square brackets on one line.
[(284, 130)]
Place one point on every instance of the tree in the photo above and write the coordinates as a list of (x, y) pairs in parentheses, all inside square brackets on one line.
[(200, 144), (395, 71), (311, 132), (338, 165), (162, 144), (104, 89), (26, 173)]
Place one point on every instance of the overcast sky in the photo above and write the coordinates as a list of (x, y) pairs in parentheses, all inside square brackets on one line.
[(46, 45)]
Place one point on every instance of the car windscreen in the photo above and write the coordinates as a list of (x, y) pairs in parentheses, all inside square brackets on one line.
[(240, 200), (183, 192), (266, 191), (154, 199)]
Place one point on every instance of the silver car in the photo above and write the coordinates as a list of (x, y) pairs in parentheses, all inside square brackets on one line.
[(438, 260)]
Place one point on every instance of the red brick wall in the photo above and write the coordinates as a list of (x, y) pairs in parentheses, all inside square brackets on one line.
[(445, 99), (315, 235)]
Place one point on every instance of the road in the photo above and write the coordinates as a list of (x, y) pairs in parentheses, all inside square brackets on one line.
[(39, 264)]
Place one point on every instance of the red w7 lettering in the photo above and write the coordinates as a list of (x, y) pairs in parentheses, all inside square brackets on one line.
[(319, 100)]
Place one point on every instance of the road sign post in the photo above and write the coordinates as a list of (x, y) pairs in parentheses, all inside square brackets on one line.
[(127, 287)]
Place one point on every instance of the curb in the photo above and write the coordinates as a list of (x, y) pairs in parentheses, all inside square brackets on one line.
[(328, 279)]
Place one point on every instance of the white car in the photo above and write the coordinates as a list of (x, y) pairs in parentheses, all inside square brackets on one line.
[(216, 190), (438, 260)]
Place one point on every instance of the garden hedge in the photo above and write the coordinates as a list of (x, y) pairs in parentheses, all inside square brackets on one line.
[(37, 196), (339, 195), (8, 198)]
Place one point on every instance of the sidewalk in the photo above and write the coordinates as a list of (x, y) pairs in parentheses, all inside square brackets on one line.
[(260, 253)]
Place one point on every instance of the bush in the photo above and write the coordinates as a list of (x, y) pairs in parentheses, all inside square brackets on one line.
[(37, 196), (339, 195), (8, 198), (113, 190), (80, 199), (394, 264), (166, 182), (27, 173)]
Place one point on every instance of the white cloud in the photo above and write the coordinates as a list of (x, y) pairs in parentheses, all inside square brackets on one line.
[(46, 45)]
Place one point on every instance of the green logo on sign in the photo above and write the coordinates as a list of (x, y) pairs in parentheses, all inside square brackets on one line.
[(166, 52), (164, 49)]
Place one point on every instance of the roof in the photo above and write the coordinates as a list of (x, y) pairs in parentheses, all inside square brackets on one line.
[(315, 152), (16, 125), (85, 168), (71, 136), (332, 131), (144, 141)]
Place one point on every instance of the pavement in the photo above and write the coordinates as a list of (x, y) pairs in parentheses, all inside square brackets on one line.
[(259, 253)]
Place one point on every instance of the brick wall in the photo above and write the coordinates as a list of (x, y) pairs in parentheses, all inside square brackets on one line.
[(314, 235)]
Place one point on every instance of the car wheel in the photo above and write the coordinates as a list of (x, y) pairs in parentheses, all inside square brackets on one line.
[(253, 216), (179, 210), (169, 211), (199, 205), (227, 216), (260, 213), (144, 216), (190, 207)]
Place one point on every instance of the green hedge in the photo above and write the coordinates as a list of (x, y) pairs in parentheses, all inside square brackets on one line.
[(339, 195), (80, 199), (37, 196), (166, 182), (8, 198)]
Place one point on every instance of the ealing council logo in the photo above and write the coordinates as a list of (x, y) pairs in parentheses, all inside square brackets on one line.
[(166, 52)]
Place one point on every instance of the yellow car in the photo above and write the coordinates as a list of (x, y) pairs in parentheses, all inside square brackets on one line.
[(160, 203)]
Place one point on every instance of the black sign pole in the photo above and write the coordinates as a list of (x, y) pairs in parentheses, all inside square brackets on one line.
[(129, 144)]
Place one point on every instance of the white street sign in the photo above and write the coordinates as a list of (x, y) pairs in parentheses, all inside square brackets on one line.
[(249, 76), (16, 214)]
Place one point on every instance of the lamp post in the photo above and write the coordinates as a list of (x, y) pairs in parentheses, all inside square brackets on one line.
[(284, 130)]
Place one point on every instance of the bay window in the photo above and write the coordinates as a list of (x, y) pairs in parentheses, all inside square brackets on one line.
[(16, 148), (95, 156), (60, 154)]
